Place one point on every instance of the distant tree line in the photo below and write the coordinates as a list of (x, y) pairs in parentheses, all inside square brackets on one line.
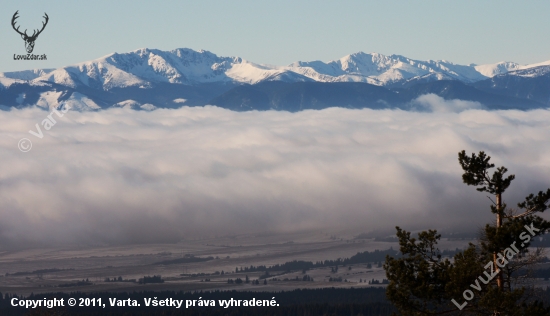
[(377, 256), (247, 280), (119, 279), (40, 271), (77, 283), (202, 274), (151, 279), (186, 259), (384, 281)]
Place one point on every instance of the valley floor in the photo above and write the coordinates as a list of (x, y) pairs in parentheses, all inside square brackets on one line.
[(86, 269)]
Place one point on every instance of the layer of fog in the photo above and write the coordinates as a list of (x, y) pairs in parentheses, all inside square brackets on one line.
[(121, 176)]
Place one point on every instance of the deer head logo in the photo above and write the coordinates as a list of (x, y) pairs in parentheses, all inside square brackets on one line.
[(29, 40)]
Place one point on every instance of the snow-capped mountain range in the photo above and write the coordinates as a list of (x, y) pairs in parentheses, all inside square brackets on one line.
[(147, 68), (144, 67)]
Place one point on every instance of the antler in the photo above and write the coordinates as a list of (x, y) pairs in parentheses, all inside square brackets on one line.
[(36, 32), (13, 23), (43, 25)]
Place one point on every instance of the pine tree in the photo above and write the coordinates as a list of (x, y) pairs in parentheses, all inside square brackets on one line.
[(482, 279)]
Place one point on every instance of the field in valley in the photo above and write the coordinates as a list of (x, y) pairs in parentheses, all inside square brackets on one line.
[(52, 270)]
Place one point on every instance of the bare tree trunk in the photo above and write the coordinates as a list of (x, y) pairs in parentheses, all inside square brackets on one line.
[(500, 280)]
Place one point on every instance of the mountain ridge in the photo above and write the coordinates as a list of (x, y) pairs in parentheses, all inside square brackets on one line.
[(145, 66), (149, 78)]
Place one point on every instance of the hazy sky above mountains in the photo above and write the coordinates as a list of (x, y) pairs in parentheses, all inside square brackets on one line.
[(122, 176), (281, 32)]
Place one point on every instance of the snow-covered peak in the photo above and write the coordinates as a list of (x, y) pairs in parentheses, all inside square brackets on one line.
[(26, 74), (381, 69), (143, 67), (365, 64), (134, 105), (177, 66), (9, 78), (531, 72), (490, 70)]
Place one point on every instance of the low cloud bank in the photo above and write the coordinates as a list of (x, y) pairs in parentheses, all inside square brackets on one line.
[(434, 103), (120, 176)]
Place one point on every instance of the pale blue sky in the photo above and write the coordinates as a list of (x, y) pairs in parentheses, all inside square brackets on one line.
[(281, 32)]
